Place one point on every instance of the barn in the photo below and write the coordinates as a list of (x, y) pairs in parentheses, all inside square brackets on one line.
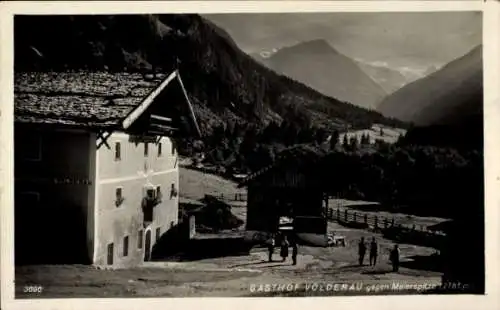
[(288, 196)]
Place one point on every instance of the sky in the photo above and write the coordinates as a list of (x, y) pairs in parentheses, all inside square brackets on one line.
[(412, 42)]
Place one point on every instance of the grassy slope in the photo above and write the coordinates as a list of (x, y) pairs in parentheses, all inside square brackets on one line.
[(195, 185)]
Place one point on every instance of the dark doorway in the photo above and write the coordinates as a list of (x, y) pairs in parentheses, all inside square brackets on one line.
[(147, 249), (110, 253)]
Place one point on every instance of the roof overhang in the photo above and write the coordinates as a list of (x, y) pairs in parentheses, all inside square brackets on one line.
[(146, 104)]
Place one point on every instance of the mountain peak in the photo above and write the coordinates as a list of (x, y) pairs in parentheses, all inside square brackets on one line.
[(312, 46), (317, 64)]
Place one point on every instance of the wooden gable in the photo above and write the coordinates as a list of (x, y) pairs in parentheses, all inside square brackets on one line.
[(166, 111), (282, 177)]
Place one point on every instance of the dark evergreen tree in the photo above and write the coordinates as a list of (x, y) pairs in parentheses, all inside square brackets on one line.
[(334, 139), (345, 141), (320, 135), (354, 143)]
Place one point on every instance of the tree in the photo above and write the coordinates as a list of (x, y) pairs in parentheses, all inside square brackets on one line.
[(354, 143), (345, 141), (334, 139), (249, 142), (365, 139), (320, 135), (270, 133), (218, 155), (217, 136)]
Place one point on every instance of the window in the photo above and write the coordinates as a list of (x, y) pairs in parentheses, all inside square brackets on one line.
[(118, 151), (119, 196), (125, 246), (150, 193), (147, 213), (139, 239), (110, 254), (158, 194), (146, 149), (159, 149), (173, 191), (158, 232)]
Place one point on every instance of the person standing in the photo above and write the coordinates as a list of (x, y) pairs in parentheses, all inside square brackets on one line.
[(284, 248), (373, 252), (270, 247), (295, 251), (361, 251), (395, 254)]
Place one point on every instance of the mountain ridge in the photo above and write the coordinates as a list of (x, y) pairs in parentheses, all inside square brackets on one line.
[(320, 66), (389, 79), (435, 98)]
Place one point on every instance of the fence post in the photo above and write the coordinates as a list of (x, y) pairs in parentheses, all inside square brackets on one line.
[(355, 217), (366, 219), (345, 215), (330, 213), (392, 224), (413, 227), (338, 214), (376, 222), (386, 223)]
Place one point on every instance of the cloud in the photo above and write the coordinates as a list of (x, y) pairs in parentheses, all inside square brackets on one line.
[(269, 53), (411, 73)]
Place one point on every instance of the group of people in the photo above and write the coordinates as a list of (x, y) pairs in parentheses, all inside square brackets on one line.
[(284, 245), (393, 257)]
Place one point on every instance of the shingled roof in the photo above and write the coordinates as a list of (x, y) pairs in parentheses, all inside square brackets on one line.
[(98, 100), (88, 99)]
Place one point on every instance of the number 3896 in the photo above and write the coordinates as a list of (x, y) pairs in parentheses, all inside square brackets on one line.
[(33, 289)]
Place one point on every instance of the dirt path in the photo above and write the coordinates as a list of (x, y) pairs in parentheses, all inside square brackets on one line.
[(319, 271)]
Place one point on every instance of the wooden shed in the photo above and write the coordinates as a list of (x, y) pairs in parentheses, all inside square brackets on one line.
[(289, 188)]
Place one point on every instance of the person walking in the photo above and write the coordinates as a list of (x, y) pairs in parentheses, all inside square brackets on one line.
[(395, 254), (361, 251), (284, 248), (270, 247), (295, 250), (373, 252)]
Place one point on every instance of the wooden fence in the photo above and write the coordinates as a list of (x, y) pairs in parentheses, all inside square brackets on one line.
[(345, 216), (388, 226), (233, 197), (372, 221), (411, 234)]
